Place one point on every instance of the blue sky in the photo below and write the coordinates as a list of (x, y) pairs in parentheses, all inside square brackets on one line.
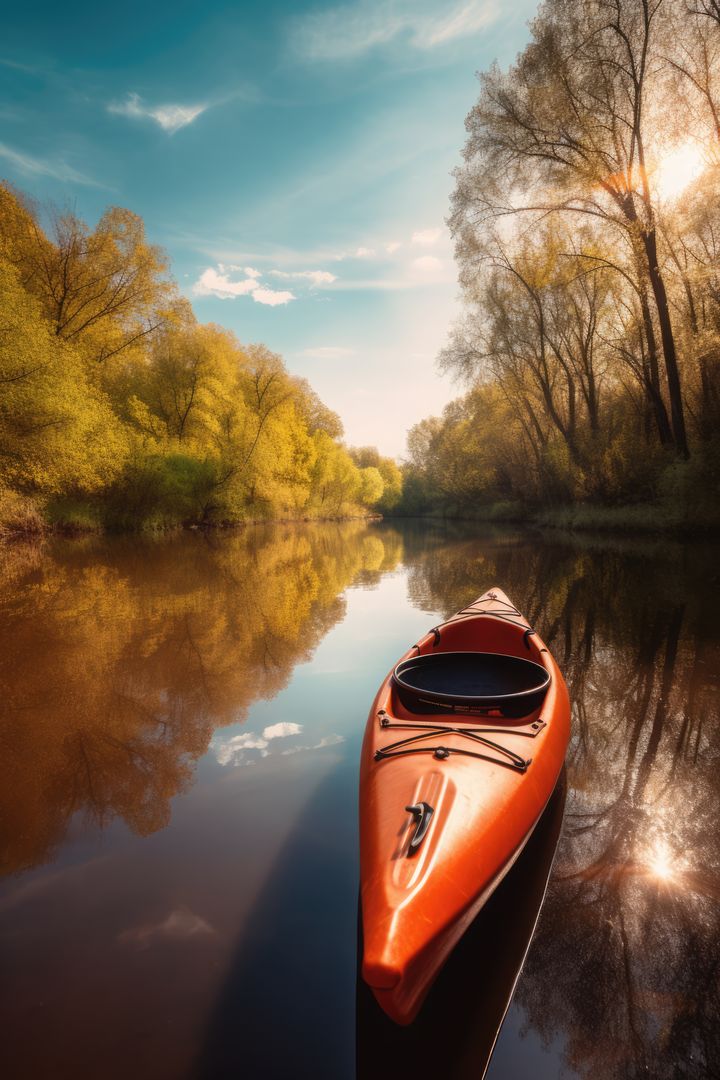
[(293, 159)]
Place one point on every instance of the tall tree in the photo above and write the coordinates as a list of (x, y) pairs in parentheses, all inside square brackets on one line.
[(569, 130)]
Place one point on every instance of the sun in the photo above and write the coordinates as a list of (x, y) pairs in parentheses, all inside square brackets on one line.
[(660, 863), (677, 169)]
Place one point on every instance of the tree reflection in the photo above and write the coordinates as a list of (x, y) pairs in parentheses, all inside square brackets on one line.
[(625, 965), (119, 660)]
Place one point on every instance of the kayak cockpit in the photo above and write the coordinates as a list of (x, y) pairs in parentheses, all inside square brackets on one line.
[(470, 682)]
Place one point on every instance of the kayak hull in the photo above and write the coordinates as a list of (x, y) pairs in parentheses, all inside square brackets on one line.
[(484, 777)]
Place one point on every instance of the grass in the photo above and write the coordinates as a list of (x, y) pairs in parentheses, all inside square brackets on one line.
[(20, 517)]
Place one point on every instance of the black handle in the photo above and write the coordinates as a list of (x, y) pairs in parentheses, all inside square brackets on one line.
[(422, 813)]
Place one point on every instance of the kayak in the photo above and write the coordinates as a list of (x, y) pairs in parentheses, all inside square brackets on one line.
[(473, 991), (464, 744)]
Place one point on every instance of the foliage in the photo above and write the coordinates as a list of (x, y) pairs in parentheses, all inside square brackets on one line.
[(591, 332), (366, 457), (118, 407), (19, 517)]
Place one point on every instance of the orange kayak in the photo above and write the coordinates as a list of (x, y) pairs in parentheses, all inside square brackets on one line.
[(463, 747)]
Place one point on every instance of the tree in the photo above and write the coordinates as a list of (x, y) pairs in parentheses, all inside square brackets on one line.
[(106, 287), (110, 388), (57, 431), (371, 486), (369, 456), (570, 128)]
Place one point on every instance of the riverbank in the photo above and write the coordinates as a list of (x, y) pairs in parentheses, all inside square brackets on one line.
[(640, 518), (21, 519)]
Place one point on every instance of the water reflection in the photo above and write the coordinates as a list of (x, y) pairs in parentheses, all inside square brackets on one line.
[(214, 934), (119, 660), (624, 973)]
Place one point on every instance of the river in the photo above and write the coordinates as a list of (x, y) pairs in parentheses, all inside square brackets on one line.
[(180, 733)]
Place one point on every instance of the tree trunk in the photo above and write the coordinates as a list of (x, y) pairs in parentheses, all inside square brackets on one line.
[(652, 388), (668, 340)]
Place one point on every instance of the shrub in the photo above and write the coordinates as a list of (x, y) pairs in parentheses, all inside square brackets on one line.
[(161, 491), (20, 517)]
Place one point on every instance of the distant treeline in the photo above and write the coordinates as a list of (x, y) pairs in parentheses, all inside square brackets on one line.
[(586, 217), (118, 409)]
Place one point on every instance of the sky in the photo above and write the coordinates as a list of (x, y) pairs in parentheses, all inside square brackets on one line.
[(293, 159)]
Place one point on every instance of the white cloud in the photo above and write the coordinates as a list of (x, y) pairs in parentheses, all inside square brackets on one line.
[(414, 273), (180, 925), (463, 21), (249, 271), (342, 33), (426, 237), (315, 277), (361, 252), (218, 283), (426, 263), (248, 741), (170, 117), (233, 751), (281, 730), (410, 269), (212, 283), (33, 166), (327, 740), (327, 352), (271, 297)]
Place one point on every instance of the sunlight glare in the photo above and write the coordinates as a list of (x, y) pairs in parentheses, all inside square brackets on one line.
[(660, 862), (677, 169)]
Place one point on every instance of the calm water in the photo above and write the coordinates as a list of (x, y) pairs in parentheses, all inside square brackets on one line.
[(179, 740)]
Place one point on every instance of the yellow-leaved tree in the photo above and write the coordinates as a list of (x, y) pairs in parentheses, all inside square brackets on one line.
[(118, 407), (58, 432)]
